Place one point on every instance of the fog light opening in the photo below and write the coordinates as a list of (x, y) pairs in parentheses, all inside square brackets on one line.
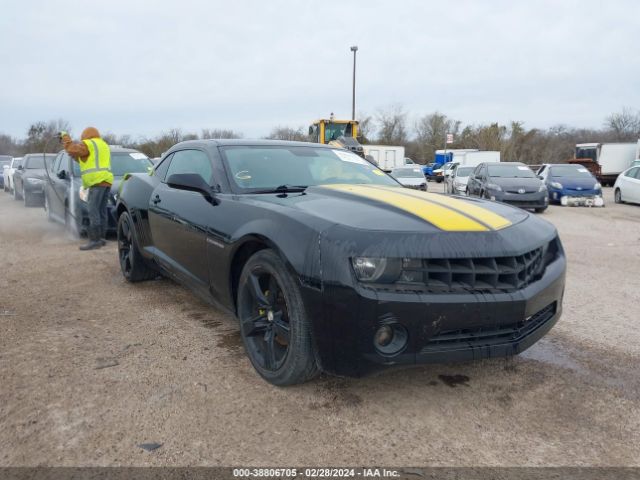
[(390, 339)]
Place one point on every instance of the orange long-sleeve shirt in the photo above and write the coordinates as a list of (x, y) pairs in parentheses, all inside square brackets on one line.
[(79, 152)]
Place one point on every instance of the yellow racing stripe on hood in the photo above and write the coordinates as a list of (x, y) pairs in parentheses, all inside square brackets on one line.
[(438, 215), (483, 215)]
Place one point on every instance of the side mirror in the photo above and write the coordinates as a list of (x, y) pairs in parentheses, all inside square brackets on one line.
[(540, 177), (193, 183), (62, 175), (20, 167)]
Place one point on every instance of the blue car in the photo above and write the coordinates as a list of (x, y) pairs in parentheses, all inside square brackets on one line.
[(571, 185)]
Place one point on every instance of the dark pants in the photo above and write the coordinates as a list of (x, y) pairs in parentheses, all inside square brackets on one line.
[(97, 205)]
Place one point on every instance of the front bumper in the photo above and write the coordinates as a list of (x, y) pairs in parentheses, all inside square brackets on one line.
[(440, 327), (522, 200), (34, 188), (589, 198)]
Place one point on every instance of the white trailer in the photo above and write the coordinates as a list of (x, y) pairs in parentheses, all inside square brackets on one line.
[(472, 159), (386, 157), (616, 157)]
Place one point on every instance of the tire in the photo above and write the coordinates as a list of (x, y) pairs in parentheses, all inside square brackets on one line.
[(617, 196), (133, 266), (274, 325), (540, 210)]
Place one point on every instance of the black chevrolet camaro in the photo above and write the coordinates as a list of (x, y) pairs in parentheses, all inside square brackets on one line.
[(330, 265)]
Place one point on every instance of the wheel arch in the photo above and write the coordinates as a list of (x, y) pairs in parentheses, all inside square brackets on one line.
[(245, 248)]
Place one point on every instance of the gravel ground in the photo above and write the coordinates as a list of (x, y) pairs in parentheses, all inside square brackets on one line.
[(91, 367)]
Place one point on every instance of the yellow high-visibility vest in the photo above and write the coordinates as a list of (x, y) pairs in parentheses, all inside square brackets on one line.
[(97, 168)]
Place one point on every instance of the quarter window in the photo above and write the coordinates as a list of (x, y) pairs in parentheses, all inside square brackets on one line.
[(191, 161), (161, 170)]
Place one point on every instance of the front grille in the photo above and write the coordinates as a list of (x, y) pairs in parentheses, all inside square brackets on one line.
[(485, 336), (474, 275)]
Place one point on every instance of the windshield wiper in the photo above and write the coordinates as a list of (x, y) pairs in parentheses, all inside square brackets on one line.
[(284, 189)]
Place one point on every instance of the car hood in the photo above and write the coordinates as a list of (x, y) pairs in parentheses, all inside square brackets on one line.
[(411, 180), (40, 173), (386, 208), (507, 183), (575, 182)]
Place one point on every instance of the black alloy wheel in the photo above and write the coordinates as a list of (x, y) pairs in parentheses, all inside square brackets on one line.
[(133, 266), (273, 323), (267, 331)]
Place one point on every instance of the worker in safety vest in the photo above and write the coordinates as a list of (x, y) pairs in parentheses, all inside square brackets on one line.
[(94, 157)]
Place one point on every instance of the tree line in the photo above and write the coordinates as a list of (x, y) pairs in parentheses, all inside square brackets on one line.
[(392, 125)]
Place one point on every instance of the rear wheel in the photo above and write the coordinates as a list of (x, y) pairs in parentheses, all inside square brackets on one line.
[(274, 326), (617, 196), (133, 266)]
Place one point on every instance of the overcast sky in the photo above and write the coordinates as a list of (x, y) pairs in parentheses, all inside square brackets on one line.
[(142, 67)]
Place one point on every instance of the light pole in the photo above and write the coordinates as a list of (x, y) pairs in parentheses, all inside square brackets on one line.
[(354, 49)]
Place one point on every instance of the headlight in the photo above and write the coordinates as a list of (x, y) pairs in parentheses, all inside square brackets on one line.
[(557, 185), (83, 193), (33, 181), (494, 186), (542, 187), (369, 269), (597, 186)]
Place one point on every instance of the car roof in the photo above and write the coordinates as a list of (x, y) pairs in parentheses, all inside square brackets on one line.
[(250, 143), (503, 163)]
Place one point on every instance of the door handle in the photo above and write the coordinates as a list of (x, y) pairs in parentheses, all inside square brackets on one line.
[(156, 199)]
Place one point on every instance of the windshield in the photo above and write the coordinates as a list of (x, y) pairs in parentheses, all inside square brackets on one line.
[(37, 161), (407, 173), (464, 171), (263, 168), (121, 163), (334, 130), (570, 171), (511, 171)]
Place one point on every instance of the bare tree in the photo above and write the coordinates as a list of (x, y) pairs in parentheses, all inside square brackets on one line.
[(9, 145), (288, 133), (392, 125), (625, 124), (42, 136), (218, 133), (365, 128), (431, 131)]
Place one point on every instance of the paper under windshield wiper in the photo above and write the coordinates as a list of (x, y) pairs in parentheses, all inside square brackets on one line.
[(284, 189)]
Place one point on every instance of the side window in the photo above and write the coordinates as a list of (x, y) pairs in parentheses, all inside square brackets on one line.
[(633, 173), (63, 165), (161, 170), (191, 161), (56, 163)]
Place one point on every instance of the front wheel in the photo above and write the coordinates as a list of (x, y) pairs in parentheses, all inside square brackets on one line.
[(275, 328), (134, 267), (540, 210), (617, 196)]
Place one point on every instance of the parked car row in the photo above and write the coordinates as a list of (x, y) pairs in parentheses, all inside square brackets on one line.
[(53, 181)]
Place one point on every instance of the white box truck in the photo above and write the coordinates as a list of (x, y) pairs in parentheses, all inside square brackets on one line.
[(386, 157), (605, 160), (472, 159)]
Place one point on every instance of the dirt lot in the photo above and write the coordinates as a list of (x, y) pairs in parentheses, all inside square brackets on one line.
[(91, 367)]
